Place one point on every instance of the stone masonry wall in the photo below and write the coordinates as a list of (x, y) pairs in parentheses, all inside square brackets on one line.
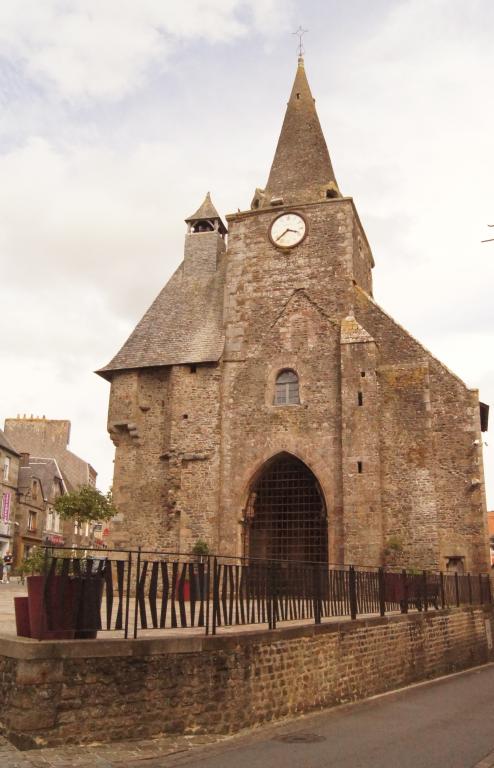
[(78, 692), (164, 423), (430, 423)]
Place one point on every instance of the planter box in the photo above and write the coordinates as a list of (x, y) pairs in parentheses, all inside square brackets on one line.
[(22, 624), (53, 603)]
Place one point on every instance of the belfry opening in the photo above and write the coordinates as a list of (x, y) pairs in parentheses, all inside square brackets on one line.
[(286, 515)]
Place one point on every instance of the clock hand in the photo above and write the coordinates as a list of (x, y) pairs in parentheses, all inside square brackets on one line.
[(283, 234)]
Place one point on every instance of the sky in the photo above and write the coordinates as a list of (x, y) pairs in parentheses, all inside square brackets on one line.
[(117, 116)]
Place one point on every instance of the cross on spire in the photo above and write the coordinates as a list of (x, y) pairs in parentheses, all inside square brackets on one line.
[(300, 33)]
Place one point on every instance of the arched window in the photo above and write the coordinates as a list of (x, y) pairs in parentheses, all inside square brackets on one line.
[(286, 389)]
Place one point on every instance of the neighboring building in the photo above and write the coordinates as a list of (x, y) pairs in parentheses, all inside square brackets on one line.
[(31, 507), (267, 404), (9, 473), (50, 437), (47, 470)]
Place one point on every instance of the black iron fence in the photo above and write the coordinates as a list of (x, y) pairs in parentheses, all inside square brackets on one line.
[(130, 592)]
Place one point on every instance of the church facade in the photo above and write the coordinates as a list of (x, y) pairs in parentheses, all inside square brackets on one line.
[(265, 404)]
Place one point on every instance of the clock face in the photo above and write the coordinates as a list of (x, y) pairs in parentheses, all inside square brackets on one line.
[(287, 230)]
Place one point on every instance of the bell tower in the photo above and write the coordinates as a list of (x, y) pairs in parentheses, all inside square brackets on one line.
[(204, 241)]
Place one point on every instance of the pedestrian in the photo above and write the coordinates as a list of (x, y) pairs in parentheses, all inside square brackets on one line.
[(7, 565)]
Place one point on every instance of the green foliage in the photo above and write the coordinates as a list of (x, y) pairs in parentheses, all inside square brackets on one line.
[(34, 563), (393, 545), (200, 548), (85, 505)]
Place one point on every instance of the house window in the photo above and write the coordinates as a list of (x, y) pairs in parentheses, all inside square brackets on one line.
[(286, 389), (49, 520), (34, 490), (6, 468), (31, 521)]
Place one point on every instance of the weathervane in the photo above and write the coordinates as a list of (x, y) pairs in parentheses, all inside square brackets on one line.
[(490, 238), (300, 32)]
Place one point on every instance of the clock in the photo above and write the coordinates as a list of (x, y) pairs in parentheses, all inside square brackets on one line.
[(288, 230)]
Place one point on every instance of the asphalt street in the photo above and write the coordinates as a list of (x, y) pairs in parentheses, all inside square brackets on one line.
[(449, 722)]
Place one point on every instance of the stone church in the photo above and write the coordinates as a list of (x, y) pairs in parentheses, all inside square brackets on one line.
[(267, 405)]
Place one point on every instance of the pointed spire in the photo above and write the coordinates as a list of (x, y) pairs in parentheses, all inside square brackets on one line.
[(301, 170), (207, 212)]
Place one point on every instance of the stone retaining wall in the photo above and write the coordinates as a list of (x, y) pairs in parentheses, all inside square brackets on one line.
[(82, 691)]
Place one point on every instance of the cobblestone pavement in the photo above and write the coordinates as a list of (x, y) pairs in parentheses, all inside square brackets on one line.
[(115, 755)]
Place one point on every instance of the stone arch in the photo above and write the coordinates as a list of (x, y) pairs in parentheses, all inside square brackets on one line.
[(285, 514)]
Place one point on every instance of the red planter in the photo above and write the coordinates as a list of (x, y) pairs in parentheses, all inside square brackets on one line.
[(53, 611), (22, 624)]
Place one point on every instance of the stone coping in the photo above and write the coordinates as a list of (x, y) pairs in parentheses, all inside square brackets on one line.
[(26, 648)]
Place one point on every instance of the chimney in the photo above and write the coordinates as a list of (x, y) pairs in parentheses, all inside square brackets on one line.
[(24, 460)]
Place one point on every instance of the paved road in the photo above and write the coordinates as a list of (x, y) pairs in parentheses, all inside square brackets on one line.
[(448, 724)]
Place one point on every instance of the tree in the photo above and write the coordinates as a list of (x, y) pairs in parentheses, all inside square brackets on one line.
[(85, 505)]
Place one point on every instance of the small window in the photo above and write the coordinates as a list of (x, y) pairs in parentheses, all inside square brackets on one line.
[(286, 390), (455, 564), (6, 468), (360, 398), (360, 467), (31, 521), (34, 490)]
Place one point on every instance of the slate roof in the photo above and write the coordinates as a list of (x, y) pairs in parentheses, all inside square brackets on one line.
[(301, 167), (4, 443), (183, 325), (44, 470), (205, 211)]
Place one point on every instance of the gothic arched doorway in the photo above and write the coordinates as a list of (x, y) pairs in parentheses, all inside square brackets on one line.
[(286, 515)]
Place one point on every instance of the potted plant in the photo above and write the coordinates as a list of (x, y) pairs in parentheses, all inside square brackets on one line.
[(87, 505), (183, 586), (48, 612), (393, 581)]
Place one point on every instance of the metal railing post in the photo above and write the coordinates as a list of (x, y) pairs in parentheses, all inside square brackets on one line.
[(424, 587), (317, 594), (404, 600), (470, 594), (208, 588), (215, 591), (272, 596), (136, 601), (441, 587), (352, 586), (382, 591), (457, 589), (127, 598)]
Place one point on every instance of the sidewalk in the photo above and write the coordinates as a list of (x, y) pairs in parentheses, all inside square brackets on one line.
[(121, 754), (7, 615)]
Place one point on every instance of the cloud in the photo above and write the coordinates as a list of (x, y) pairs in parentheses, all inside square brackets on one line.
[(117, 117), (104, 50)]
